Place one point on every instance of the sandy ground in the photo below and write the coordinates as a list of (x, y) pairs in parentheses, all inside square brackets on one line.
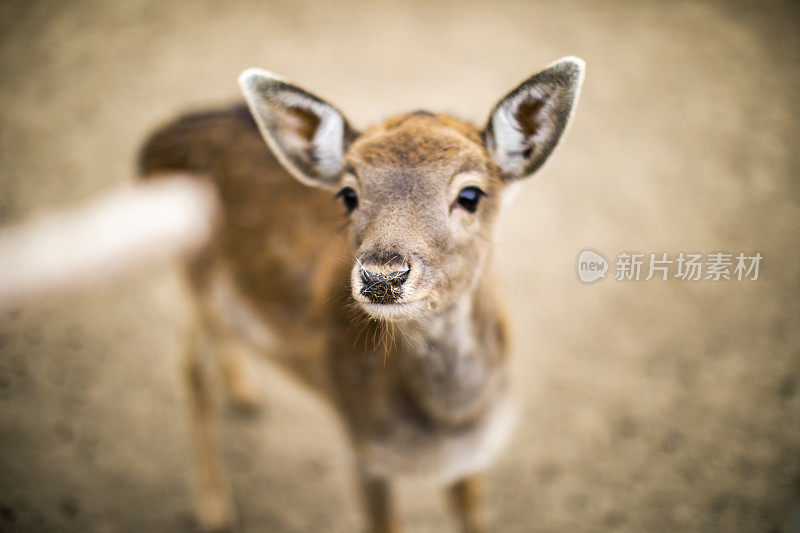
[(647, 406)]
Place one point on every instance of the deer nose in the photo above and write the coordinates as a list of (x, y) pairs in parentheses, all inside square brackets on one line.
[(383, 287)]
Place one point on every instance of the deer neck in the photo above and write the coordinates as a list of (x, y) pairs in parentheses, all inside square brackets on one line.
[(453, 365)]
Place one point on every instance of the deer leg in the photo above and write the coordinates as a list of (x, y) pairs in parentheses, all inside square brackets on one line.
[(214, 501), (377, 496), (241, 389), (465, 497)]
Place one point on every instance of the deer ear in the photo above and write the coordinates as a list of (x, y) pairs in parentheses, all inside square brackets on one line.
[(307, 135), (526, 125)]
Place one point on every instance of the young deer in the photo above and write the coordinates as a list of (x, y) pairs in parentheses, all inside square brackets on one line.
[(404, 251)]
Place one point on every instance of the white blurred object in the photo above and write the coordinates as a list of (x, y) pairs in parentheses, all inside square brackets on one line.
[(138, 227)]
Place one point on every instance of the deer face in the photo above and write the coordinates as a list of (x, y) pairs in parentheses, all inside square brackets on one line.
[(426, 196), (421, 190)]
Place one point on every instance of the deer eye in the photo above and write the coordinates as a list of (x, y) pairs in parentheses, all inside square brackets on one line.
[(469, 197), (349, 197)]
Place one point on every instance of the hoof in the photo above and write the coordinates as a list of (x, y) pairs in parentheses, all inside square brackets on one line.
[(217, 515), (246, 405)]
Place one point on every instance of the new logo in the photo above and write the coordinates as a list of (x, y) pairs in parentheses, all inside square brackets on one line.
[(591, 266)]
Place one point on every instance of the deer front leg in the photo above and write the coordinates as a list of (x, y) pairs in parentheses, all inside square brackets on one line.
[(240, 387), (378, 503), (213, 500), (465, 497)]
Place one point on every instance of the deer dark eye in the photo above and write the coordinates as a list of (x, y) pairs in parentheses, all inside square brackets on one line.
[(469, 197), (349, 197)]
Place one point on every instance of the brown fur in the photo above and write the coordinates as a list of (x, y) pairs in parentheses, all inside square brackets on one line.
[(423, 392), (295, 275)]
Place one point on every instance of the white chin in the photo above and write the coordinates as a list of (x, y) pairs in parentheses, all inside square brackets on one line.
[(394, 312)]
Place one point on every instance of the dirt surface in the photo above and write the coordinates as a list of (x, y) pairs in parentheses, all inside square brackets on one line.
[(647, 406)]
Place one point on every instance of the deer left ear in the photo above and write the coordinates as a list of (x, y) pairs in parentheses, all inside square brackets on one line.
[(526, 125), (308, 135)]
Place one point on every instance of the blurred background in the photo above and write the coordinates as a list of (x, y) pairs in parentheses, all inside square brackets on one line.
[(647, 406)]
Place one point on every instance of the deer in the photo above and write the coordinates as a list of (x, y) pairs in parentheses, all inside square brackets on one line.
[(360, 263)]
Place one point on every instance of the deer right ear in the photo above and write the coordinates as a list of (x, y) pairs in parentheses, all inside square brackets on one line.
[(526, 125), (307, 135)]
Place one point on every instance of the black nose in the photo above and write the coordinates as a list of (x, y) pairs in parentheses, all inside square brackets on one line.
[(383, 288)]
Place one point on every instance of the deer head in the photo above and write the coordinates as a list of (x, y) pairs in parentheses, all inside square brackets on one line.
[(421, 190)]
